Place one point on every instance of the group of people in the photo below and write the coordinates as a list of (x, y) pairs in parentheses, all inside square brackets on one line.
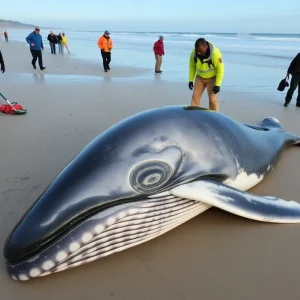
[(60, 40), (206, 71), (206, 66), (36, 46)]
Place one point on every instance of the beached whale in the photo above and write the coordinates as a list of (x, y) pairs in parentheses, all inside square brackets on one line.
[(143, 177)]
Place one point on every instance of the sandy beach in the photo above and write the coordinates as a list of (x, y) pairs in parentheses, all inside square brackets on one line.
[(214, 256)]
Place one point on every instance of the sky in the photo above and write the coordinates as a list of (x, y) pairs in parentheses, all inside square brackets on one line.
[(269, 16)]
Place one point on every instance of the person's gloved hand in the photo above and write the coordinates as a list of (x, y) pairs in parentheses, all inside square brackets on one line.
[(191, 85), (216, 89), (2, 68)]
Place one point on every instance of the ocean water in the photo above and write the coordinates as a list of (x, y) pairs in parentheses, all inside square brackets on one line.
[(254, 63)]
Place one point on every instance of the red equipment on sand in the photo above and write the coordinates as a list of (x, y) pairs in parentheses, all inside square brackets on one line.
[(12, 108)]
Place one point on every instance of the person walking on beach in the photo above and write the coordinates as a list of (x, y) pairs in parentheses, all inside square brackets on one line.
[(105, 45), (64, 42), (59, 43), (6, 36), (53, 41), (34, 39), (2, 65), (207, 64), (294, 70), (159, 51)]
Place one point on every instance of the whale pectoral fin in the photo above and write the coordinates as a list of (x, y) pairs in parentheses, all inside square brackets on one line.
[(259, 208)]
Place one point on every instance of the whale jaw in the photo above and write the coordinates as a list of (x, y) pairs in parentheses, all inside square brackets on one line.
[(112, 230)]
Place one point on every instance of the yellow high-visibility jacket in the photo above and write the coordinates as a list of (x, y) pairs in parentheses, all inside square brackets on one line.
[(211, 67)]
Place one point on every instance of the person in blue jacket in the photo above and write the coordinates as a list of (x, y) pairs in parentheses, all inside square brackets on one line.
[(35, 40)]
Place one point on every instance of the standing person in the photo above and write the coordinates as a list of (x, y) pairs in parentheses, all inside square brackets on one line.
[(2, 63), (53, 41), (207, 64), (6, 36), (64, 42), (159, 51), (105, 45), (34, 39), (59, 43), (294, 70)]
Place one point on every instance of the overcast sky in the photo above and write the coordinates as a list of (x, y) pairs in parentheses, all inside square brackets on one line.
[(272, 16)]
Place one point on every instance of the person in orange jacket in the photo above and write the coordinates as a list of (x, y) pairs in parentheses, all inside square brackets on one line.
[(105, 44)]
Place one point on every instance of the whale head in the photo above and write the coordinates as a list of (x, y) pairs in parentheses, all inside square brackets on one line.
[(113, 195)]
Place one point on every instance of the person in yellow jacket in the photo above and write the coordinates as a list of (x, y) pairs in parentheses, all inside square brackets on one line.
[(206, 70), (64, 42), (105, 45)]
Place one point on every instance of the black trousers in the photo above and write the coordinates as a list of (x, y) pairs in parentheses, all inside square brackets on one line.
[(37, 54), (106, 57), (295, 82)]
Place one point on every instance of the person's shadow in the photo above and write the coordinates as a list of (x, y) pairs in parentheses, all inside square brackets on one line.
[(39, 78)]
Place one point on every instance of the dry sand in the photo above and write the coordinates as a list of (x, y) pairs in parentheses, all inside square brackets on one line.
[(214, 256)]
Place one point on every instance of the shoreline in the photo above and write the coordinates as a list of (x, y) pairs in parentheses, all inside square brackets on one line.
[(19, 61), (244, 71), (75, 70)]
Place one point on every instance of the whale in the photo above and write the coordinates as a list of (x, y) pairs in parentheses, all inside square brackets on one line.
[(144, 176)]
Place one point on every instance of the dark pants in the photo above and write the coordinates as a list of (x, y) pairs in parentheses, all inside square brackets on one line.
[(37, 54), (295, 82), (106, 56), (53, 48), (6, 38), (60, 49)]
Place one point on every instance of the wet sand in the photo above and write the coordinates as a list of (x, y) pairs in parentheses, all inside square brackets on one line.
[(18, 58), (216, 255)]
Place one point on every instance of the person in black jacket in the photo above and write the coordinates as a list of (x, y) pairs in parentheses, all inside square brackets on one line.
[(294, 70), (53, 41), (2, 63), (59, 39)]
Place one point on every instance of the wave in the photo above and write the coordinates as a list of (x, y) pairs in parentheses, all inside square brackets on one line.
[(294, 38), (237, 36)]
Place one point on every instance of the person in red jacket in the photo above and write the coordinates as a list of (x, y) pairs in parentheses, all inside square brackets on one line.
[(159, 51)]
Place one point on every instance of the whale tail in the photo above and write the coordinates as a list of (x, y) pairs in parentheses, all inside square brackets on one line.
[(273, 124)]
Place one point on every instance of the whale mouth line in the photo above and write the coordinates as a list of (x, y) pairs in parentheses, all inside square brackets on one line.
[(73, 223), (119, 228)]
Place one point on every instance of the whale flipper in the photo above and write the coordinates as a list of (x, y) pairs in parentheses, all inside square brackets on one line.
[(259, 208)]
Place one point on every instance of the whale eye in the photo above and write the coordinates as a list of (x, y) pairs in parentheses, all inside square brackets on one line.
[(149, 176)]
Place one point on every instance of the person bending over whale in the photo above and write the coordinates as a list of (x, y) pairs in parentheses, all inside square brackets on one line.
[(207, 64)]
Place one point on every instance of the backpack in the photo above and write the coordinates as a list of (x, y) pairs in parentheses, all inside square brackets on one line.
[(7, 109), (209, 60)]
